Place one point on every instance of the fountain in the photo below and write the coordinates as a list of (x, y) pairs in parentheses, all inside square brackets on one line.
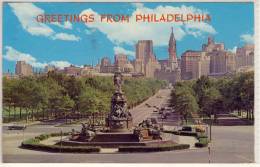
[(119, 123)]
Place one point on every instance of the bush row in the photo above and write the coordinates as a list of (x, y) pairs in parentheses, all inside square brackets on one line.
[(34, 144), (153, 148), (202, 138), (203, 142), (182, 133)]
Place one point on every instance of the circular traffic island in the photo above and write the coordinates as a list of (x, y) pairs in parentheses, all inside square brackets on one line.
[(51, 143)]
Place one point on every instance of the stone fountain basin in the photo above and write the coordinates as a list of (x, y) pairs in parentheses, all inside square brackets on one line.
[(112, 140)]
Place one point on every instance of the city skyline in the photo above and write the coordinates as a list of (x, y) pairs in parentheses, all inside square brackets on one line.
[(78, 44)]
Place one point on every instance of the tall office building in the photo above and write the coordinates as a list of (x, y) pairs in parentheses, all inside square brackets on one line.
[(120, 61), (222, 62), (146, 61), (245, 56), (212, 46), (194, 64), (23, 69)]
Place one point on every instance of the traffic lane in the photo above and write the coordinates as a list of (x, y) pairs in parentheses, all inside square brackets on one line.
[(182, 156), (222, 151), (142, 111)]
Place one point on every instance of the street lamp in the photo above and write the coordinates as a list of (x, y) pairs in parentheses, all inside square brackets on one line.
[(211, 117), (60, 139)]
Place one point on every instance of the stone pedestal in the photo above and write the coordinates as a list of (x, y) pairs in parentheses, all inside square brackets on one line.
[(121, 125)]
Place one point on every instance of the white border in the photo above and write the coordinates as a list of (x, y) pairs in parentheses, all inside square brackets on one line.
[(257, 89)]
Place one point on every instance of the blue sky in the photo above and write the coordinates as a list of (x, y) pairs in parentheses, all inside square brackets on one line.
[(79, 44)]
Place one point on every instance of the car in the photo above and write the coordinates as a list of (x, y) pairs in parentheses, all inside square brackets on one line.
[(16, 127), (154, 120), (186, 128)]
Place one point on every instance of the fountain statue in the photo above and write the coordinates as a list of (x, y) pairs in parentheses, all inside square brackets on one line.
[(119, 118)]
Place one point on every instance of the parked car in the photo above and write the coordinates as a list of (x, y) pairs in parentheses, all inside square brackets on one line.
[(154, 120), (187, 128), (16, 127)]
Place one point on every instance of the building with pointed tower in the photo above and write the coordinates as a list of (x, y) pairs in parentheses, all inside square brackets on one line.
[(172, 62), (170, 69)]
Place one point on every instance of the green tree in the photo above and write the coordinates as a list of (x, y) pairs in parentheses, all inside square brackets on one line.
[(212, 102), (183, 102)]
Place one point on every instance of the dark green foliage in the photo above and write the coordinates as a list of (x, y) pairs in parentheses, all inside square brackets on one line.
[(203, 142), (34, 144), (161, 147), (207, 96), (186, 133), (58, 94)]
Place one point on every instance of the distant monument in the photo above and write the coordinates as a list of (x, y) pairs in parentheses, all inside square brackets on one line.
[(119, 118)]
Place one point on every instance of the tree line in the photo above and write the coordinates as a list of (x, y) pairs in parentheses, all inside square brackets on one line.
[(209, 96), (46, 97)]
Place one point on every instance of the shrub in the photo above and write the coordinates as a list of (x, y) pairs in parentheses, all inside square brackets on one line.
[(186, 133), (34, 144), (153, 148), (203, 142)]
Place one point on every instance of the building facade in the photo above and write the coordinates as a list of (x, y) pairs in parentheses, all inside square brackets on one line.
[(23, 69), (170, 69), (194, 64), (173, 63), (245, 56), (222, 62), (145, 62), (212, 46), (106, 66), (72, 70)]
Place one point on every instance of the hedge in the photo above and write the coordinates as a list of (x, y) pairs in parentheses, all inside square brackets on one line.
[(182, 133), (203, 139), (153, 148), (34, 144), (203, 142)]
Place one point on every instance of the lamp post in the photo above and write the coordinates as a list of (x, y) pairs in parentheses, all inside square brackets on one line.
[(209, 144), (60, 139), (211, 117)]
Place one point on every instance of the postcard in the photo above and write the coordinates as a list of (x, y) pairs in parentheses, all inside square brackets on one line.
[(128, 82)]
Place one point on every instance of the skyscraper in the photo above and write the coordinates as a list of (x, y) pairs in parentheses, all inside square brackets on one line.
[(222, 62), (120, 61), (23, 69), (145, 61), (194, 64), (245, 56)]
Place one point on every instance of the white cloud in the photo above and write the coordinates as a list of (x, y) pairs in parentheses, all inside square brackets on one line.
[(14, 55), (138, 5), (234, 50), (60, 64), (247, 38), (89, 31), (65, 37), (118, 50), (130, 33), (66, 25), (26, 14)]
